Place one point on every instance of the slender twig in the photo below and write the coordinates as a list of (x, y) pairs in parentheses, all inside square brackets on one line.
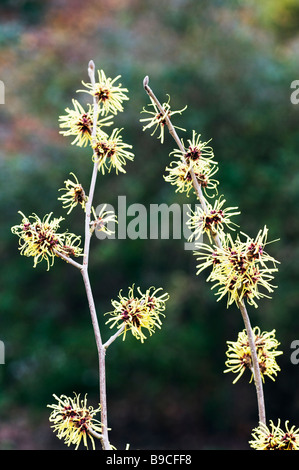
[(113, 337), (68, 260), (88, 207), (84, 271), (255, 363), (241, 304), (95, 434), (92, 309), (173, 133)]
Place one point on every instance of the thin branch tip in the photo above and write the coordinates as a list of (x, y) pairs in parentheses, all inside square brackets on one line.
[(91, 65), (91, 70), (145, 81)]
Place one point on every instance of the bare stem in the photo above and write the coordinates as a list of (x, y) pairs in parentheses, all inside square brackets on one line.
[(88, 207), (255, 364), (113, 337), (241, 304), (173, 133), (85, 275), (95, 434), (101, 355), (68, 260)]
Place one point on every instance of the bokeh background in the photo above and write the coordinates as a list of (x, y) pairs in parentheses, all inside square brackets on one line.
[(232, 63)]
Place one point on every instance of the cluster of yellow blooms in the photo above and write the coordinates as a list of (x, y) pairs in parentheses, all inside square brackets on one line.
[(138, 312), (39, 239), (239, 354), (238, 267), (109, 151), (74, 421), (241, 269), (199, 157), (275, 438)]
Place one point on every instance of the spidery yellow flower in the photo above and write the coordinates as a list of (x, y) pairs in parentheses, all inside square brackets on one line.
[(239, 354), (71, 246), (274, 437), (211, 221), (74, 194), (138, 312), (73, 421), (109, 95), (179, 175), (157, 119), (196, 154), (112, 152), (39, 239), (79, 123), (239, 268), (103, 221)]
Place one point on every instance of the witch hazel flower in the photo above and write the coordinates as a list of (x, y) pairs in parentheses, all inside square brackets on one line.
[(40, 239), (139, 312), (239, 268), (179, 175), (212, 220), (74, 194), (74, 421), (78, 122), (239, 354), (157, 118), (111, 152), (274, 437), (196, 152), (103, 221), (109, 95)]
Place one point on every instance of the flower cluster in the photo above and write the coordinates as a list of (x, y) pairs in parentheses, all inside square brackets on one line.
[(108, 95), (78, 122), (275, 438), (179, 175), (158, 118), (109, 151), (74, 421), (136, 313), (239, 268), (212, 220), (39, 239), (239, 354), (197, 158)]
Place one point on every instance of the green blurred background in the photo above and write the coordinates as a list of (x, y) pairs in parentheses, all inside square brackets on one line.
[(232, 63)]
